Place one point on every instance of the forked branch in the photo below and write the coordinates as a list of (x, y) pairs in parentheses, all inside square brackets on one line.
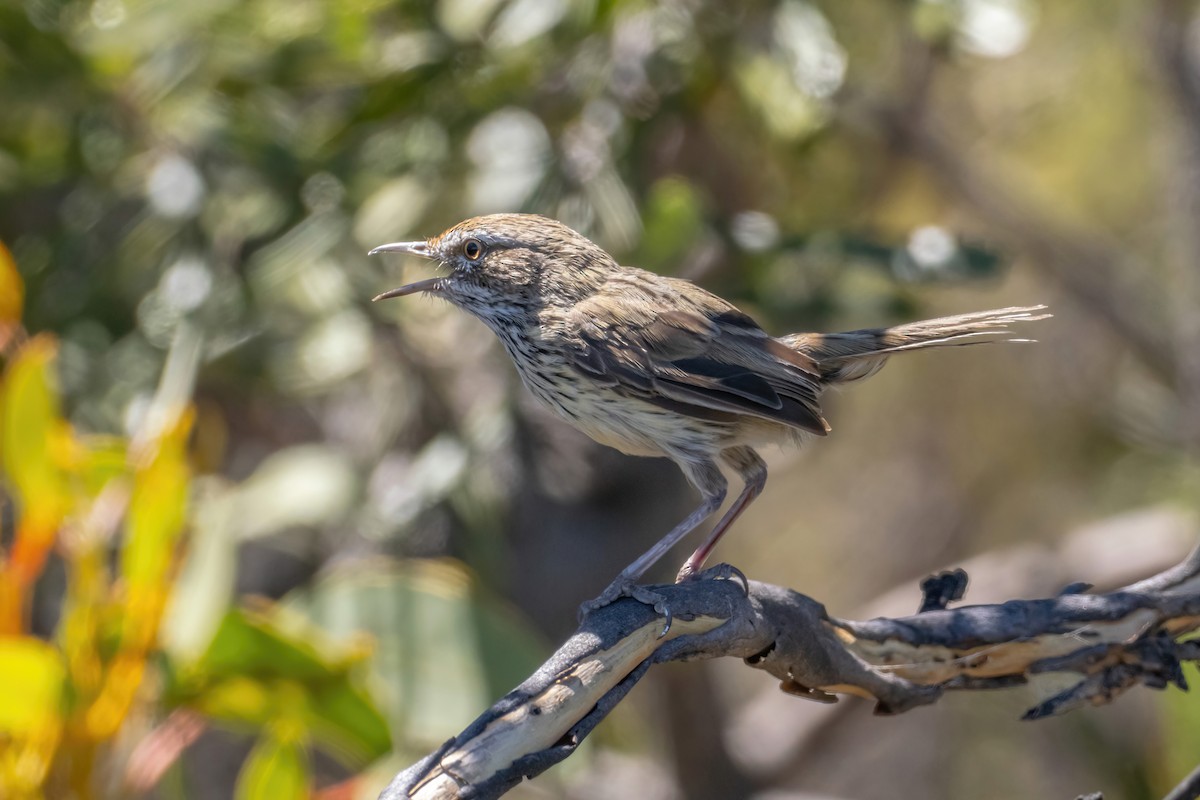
[(1113, 641)]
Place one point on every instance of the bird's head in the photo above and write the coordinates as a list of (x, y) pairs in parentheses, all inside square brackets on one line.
[(506, 264)]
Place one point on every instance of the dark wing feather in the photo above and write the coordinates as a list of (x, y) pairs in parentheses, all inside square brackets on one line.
[(727, 378), (699, 357)]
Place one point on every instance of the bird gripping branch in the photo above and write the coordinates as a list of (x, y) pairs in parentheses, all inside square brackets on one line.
[(657, 366)]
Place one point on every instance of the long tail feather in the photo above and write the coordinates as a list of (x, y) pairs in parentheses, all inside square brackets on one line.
[(853, 355)]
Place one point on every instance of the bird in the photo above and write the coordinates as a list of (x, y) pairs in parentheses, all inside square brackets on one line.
[(658, 366)]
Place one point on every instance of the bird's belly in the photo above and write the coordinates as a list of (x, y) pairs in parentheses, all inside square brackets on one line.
[(613, 425), (632, 426)]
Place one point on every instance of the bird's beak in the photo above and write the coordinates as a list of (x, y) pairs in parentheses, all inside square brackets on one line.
[(416, 249), (428, 285)]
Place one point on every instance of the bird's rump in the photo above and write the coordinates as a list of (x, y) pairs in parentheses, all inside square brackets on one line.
[(678, 347)]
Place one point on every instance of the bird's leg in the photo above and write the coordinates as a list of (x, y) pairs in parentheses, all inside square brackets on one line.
[(625, 584), (708, 479), (753, 470)]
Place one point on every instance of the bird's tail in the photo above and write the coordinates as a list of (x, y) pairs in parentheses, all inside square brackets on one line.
[(853, 355)]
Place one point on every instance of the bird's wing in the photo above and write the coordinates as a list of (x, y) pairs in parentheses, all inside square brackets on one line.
[(672, 344)]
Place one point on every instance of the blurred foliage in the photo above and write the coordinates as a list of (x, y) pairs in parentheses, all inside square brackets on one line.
[(210, 407), (66, 700), (1180, 737)]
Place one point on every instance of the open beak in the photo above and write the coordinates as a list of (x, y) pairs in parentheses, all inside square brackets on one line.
[(428, 285), (416, 249)]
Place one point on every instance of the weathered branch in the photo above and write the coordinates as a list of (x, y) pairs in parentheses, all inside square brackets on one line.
[(1113, 641)]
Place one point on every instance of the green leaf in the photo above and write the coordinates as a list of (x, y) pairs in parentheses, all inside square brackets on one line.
[(443, 651), (238, 700), (250, 643), (345, 720), (262, 668), (277, 769), (1180, 741), (673, 222)]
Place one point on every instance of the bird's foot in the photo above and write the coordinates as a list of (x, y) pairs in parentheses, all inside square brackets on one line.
[(627, 587), (719, 572)]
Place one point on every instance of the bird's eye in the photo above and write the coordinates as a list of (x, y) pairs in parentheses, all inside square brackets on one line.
[(472, 249)]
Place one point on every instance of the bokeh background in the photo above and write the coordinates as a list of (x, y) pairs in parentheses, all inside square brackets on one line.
[(264, 538)]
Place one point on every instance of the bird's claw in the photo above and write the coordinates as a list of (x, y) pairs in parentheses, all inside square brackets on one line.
[(718, 572), (625, 587)]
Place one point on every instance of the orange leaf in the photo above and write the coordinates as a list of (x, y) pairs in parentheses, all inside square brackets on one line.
[(12, 290), (121, 683)]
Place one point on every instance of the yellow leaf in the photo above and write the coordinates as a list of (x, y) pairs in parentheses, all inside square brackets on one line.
[(153, 525), (240, 699), (98, 460), (276, 769), (121, 683), (31, 713), (12, 290), (83, 615), (156, 517), (32, 434), (31, 692)]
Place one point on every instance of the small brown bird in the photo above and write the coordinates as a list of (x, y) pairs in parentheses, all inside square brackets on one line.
[(657, 366)]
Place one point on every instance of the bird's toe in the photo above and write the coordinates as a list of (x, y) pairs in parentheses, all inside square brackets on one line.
[(718, 572), (623, 587)]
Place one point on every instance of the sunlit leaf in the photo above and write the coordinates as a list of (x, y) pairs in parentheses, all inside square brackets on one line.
[(122, 679), (31, 712), (155, 521), (32, 438), (30, 425), (346, 721), (12, 291), (1181, 739), (31, 692), (304, 485), (248, 643), (442, 651), (83, 615), (275, 770), (238, 699), (255, 672), (205, 585), (99, 460)]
